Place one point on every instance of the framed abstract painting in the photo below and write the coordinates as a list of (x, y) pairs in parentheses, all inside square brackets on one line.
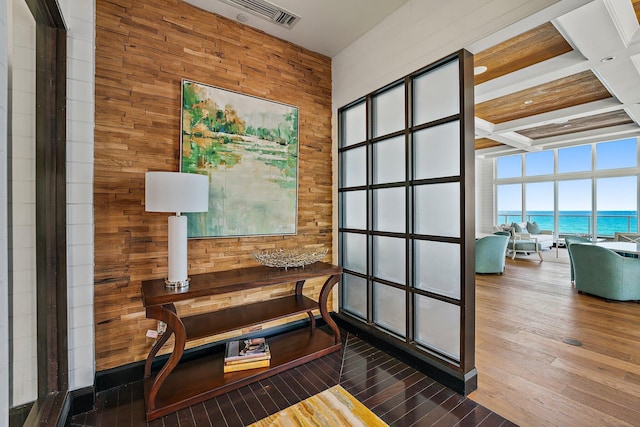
[(248, 147)]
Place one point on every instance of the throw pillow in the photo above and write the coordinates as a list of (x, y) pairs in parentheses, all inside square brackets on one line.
[(516, 227), (533, 228), (508, 229)]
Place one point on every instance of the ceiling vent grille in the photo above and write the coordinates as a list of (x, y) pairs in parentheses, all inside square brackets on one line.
[(267, 11)]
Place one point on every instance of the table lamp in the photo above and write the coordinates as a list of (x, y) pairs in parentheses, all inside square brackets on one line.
[(176, 192)]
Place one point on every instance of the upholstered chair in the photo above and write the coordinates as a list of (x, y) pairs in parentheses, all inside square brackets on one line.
[(490, 253), (568, 241), (602, 272)]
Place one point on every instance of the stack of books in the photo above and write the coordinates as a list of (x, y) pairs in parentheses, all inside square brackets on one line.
[(246, 354)]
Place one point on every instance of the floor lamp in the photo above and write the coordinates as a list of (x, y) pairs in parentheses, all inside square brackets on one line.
[(176, 192)]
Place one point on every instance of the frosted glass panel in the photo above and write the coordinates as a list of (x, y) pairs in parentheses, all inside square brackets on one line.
[(354, 252), (355, 294), (389, 259), (389, 161), (355, 209), (354, 125), (438, 209), (438, 267), (390, 308), (437, 151), (389, 209), (388, 111), (436, 94), (438, 325), (354, 167)]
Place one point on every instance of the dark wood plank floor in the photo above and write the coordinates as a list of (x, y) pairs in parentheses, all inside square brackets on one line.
[(396, 392)]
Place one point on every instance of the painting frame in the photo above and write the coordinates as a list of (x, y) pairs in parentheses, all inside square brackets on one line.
[(249, 148)]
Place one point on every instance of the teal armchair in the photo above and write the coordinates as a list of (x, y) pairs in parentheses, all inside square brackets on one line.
[(490, 254), (569, 240), (600, 271)]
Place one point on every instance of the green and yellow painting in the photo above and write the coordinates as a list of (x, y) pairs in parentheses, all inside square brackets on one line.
[(248, 147)]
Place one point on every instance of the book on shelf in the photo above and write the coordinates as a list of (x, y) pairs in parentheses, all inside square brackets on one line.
[(244, 351), (251, 364), (266, 356)]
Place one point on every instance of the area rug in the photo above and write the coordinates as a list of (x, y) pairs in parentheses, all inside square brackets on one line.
[(551, 255), (332, 407)]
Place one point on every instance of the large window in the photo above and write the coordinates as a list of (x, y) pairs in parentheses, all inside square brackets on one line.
[(509, 167), (540, 163), (616, 154), (617, 203), (509, 203), (596, 184), (574, 159), (405, 152), (574, 207), (539, 203)]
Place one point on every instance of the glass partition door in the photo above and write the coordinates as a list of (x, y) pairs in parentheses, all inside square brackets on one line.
[(406, 231)]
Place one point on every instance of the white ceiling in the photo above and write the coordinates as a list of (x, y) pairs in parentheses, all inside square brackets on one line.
[(326, 26), (598, 30)]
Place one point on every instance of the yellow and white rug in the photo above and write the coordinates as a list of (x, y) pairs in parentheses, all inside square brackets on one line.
[(332, 407)]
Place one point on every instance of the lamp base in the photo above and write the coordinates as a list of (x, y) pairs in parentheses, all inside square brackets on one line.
[(180, 284)]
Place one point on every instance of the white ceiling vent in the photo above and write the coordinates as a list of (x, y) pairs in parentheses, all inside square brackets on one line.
[(266, 10)]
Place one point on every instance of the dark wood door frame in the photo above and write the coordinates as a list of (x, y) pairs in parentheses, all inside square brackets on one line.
[(52, 405)]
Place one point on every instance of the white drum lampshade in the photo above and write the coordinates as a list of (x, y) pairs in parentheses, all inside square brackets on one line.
[(176, 192)]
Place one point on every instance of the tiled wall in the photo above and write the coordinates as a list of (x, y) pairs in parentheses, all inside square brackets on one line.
[(484, 196), (4, 303), (79, 17), (22, 182)]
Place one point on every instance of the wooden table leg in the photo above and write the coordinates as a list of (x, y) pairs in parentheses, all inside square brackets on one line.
[(168, 315), (159, 342), (312, 320), (322, 302)]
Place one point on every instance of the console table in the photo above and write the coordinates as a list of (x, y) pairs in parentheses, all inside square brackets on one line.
[(179, 385)]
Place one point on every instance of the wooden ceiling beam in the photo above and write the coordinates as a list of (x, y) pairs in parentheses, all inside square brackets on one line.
[(587, 137), (608, 90), (547, 71), (581, 88), (545, 15), (569, 113)]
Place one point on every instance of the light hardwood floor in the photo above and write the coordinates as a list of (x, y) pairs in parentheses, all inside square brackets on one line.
[(527, 374)]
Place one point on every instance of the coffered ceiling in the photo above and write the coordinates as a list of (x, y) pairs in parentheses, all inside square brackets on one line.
[(550, 81), (573, 80)]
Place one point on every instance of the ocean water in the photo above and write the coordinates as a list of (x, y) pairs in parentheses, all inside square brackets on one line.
[(578, 222)]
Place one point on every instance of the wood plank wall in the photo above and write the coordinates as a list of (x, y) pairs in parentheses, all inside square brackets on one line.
[(143, 50)]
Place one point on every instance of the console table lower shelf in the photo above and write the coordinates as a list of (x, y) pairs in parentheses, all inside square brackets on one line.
[(198, 380)]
